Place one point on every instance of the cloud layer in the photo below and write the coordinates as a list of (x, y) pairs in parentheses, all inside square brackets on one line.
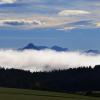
[(48, 14), (73, 12), (35, 21), (45, 60)]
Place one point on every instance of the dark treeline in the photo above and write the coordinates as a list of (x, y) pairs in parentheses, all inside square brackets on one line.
[(71, 80)]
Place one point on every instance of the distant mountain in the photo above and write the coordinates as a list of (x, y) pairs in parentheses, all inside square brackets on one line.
[(32, 46), (57, 48), (92, 51)]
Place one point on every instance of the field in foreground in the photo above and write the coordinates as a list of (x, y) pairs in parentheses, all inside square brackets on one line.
[(22, 94)]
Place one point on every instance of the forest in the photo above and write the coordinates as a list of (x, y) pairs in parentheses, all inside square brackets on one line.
[(69, 80)]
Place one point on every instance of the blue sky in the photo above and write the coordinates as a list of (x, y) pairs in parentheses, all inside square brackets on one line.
[(74, 24)]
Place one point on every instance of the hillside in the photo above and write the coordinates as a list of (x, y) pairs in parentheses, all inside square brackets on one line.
[(22, 94)]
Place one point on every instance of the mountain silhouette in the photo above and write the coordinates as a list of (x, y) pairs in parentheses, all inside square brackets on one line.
[(92, 51), (32, 46), (57, 48)]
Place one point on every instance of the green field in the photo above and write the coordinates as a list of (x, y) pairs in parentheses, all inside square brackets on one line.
[(22, 94)]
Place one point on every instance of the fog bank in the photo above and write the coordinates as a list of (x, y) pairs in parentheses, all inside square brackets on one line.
[(45, 60)]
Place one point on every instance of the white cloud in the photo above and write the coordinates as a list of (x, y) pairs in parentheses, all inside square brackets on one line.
[(45, 60), (25, 23), (44, 21), (7, 1), (47, 13), (73, 12), (67, 28), (35, 21), (41, 21), (98, 24)]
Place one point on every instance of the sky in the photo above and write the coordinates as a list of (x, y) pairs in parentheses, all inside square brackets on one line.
[(74, 24)]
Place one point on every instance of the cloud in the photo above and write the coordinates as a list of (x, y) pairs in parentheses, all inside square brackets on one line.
[(45, 60), (40, 21), (25, 23), (42, 16), (73, 12), (14, 23), (67, 28), (80, 24), (22, 22), (7, 1), (47, 14), (35, 21), (98, 24)]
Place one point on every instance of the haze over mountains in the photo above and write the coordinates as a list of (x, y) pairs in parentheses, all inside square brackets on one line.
[(44, 58)]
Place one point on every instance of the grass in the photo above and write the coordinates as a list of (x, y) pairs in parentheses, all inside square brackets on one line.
[(22, 94)]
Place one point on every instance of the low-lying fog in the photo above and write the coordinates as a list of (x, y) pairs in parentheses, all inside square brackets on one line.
[(45, 60)]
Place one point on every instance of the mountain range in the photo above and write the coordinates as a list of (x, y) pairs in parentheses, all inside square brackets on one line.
[(55, 48), (32, 46), (92, 51)]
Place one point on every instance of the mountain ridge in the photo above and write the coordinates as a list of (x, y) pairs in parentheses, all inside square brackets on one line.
[(35, 47), (55, 48)]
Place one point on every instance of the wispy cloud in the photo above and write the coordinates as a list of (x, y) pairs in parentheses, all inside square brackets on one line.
[(48, 13), (19, 22), (25, 23), (66, 28), (73, 12), (35, 21)]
